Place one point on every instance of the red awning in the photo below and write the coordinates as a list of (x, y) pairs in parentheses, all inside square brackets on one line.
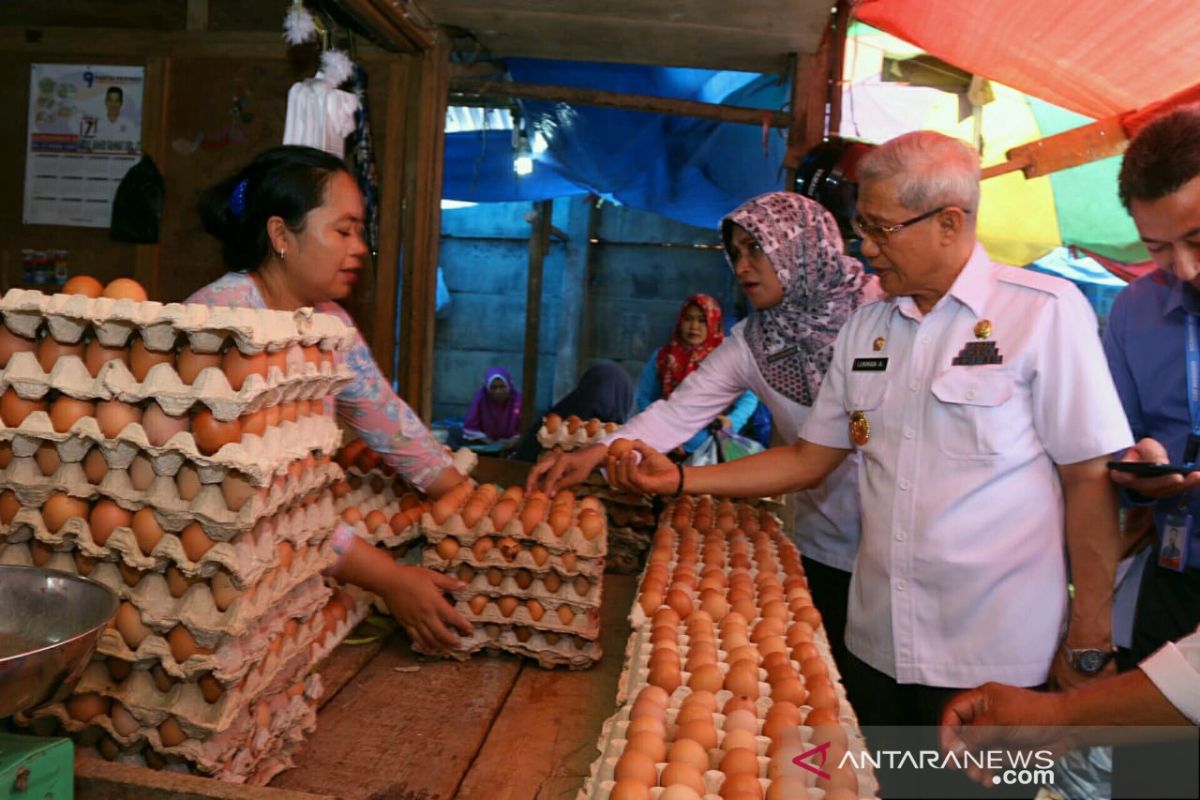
[(1096, 57)]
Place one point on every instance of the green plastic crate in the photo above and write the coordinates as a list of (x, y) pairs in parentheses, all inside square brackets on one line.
[(35, 768)]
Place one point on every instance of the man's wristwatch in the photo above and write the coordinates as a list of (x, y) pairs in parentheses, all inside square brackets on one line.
[(1087, 660)]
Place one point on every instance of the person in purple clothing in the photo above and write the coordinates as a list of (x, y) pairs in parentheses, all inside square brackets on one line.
[(290, 225), (495, 412)]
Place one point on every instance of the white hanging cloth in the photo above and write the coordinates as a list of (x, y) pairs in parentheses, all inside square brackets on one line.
[(319, 115)]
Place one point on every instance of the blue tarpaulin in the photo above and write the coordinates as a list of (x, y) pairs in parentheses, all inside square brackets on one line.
[(691, 170)]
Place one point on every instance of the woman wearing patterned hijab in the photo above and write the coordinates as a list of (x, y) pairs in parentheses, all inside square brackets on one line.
[(788, 257), (699, 330)]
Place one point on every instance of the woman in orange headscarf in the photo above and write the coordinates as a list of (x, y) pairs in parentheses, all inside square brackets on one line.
[(698, 331)]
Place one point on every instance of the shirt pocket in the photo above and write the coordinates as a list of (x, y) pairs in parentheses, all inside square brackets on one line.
[(865, 391), (970, 420)]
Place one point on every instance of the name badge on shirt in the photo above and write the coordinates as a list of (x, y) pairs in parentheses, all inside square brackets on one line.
[(1173, 551), (869, 365), (782, 354)]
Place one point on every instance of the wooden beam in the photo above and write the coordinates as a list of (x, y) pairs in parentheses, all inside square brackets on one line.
[(392, 24), (465, 89), (391, 217), (423, 157), (118, 43), (837, 64), (1082, 145), (539, 243), (810, 98)]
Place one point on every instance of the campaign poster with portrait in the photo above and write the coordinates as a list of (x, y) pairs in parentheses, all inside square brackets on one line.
[(85, 132)]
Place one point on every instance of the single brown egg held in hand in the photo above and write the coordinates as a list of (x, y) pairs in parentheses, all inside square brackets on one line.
[(125, 289)]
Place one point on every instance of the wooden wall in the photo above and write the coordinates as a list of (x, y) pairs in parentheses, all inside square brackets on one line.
[(193, 77)]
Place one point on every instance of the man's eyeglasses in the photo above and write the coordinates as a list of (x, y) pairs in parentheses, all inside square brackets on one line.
[(881, 233)]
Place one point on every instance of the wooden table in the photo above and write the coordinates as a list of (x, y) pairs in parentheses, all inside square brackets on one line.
[(396, 726)]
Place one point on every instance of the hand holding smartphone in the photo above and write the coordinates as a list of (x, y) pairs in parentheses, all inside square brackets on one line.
[(1143, 469)]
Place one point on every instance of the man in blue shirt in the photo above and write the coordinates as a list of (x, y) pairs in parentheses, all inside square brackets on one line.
[(1153, 349)]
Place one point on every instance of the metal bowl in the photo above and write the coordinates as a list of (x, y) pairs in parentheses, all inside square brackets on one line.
[(50, 622)]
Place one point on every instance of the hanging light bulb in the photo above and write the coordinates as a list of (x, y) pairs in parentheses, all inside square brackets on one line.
[(523, 156)]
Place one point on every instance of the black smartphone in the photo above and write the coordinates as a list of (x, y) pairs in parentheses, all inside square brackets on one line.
[(1141, 469)]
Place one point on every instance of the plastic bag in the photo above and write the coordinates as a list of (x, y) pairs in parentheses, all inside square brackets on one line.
[(138, 205), (723, 446)]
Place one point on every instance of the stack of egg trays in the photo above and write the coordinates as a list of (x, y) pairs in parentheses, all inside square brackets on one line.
[(371, 485), (631, 524), (574, 563), (634, 677), (262, 639), (580, 438)]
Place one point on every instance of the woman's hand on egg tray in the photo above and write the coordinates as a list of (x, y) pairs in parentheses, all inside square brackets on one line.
[(561, 470), (415, 600), (643, 469)]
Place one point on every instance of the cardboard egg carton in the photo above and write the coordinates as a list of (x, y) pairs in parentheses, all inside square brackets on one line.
[(585, 625), (571, 540), (285, 712), (207, 328), (233, 657), (335, 631), (566, 564), (549, 649), (501, 583), (564, 439), (257, 457), (114, 381), (366, 500), (759, 515), (207, 507), (246, 557)]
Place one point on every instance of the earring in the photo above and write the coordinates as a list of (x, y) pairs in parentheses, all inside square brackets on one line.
[(282, 254)]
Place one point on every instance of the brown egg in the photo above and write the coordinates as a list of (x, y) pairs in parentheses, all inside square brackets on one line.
[(636, 766), (702, 732), (129, 625), (284, 552), (14, 409), (118, 669), (740, 785), (146, 530), (94, 466), (591, 525), (254, 423), (238, 366), (86, 707), (161, 427), (211, 434), (565, 614), (195, 541), (40, 553), (177, 582), (478, 603), (105, 517), (11, 343), (706, 678), (125, 289), (183, 644), (288, 412), (210, 688), (9, 506), (223, 591), (85, 285), (60, 507), (739, 760), (190, 364), (84, 564), (535, 609), (482, 547), (629, 790), (688, 751), (502, 513), (123, 722), (237, 490), (665, 676), (170, 732), (822, 716), (50, 351), (47, 458), (114, 415), (142, 359), (375, 519), (680, 774), (540, 555), (739, 738), (552, 422), (739, 702), (507, 605), (821, 694), (67, 410)]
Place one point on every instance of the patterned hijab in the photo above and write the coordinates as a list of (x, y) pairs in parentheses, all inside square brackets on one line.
[(678, 359), (792, 342)]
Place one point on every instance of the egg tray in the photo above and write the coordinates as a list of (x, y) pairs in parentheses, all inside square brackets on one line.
[(211, 388), (258, 457), (246, 558), (570, 441), (233, 657), (508, 586), (366, 500), (208, 507), (568, 565), (322, 646), (160, 325), (503, 638), (572, 540), (763, 514), (228, 753), (585, 625)]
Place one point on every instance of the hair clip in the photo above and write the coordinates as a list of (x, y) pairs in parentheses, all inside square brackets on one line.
[(237, 200)]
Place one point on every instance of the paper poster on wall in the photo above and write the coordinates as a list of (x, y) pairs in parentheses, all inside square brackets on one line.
[(85, 132)]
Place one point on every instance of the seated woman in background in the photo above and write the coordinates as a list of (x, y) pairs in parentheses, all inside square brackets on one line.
[(495, 411), (605, 392), (698, 331)]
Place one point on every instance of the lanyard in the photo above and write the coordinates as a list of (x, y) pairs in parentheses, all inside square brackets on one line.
[(1193, 376)]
